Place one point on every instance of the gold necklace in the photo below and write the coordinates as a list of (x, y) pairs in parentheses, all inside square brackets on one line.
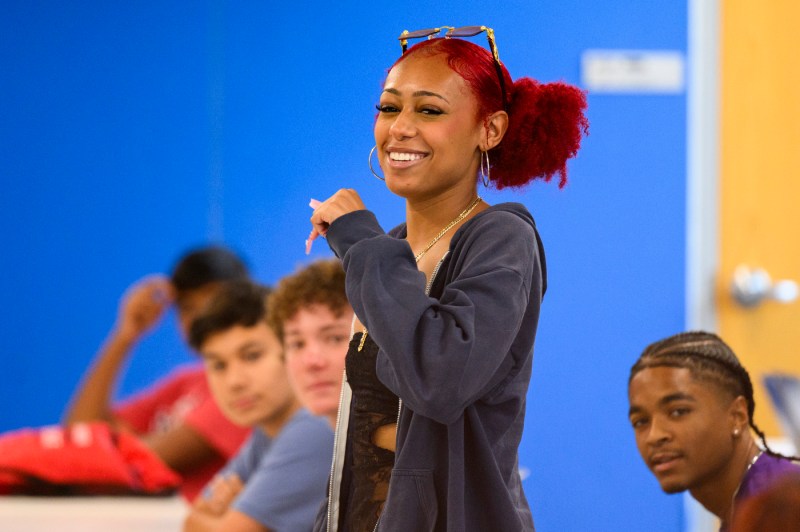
[(747, 470), (430, 244), (447, 227)]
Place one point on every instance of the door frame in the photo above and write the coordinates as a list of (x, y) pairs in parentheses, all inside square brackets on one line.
[(702, 193), (702, 175)]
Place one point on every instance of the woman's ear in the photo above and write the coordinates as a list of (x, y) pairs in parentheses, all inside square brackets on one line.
[(496, 126)]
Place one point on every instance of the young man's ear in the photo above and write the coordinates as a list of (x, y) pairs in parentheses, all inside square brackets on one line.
[(739, 416)]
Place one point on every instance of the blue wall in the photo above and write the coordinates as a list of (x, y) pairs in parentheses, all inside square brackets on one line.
[(131, 132)]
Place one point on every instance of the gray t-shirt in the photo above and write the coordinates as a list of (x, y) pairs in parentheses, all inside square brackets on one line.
[(286, 477)]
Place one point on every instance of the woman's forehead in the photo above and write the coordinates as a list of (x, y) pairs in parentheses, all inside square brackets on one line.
[(425, 73)]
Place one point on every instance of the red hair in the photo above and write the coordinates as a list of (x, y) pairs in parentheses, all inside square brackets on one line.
[(545, 120)]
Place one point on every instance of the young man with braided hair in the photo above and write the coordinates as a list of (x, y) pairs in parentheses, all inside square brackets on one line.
[(691, 408)]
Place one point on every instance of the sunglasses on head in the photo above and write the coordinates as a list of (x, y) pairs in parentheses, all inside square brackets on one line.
[(464, 31)]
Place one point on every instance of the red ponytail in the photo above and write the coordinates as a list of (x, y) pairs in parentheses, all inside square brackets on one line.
[(545, 126)]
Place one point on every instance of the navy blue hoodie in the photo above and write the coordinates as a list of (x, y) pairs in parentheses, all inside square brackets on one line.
[(459, 358)]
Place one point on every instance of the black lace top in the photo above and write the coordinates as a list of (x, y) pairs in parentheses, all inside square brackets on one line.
[(373, 406)]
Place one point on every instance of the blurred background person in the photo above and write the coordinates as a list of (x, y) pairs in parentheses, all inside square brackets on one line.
[(310, 314), (175, 416), (277, 480)]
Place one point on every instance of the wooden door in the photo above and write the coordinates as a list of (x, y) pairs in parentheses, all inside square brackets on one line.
[(760, 182)]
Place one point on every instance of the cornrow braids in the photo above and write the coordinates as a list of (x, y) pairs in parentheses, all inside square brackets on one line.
[(708, 358)]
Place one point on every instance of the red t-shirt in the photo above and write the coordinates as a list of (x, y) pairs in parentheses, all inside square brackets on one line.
[(183, 397)]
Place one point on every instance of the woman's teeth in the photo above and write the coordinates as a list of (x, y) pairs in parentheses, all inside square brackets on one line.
[(396, 156)]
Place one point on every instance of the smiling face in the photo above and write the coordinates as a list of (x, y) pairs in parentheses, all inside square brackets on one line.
[(683, 427), (315, 342), (247, 376), (427, 131)]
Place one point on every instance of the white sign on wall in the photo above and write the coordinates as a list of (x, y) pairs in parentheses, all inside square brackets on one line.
[(632, 71)]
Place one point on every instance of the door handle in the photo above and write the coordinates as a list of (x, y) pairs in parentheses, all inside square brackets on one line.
[(751, 286)]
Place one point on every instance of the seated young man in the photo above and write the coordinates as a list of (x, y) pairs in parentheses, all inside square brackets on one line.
[(278, 479), (310, 314), (176, 416), (691, 408)]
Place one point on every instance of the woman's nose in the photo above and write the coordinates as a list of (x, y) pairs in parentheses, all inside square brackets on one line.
[(403, 125)]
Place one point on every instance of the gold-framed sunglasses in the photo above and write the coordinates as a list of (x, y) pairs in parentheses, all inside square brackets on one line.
[(464, 31)]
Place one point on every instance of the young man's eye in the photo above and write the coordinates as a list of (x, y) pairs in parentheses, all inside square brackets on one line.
[(679, 412), (638, 422), (291, 347), (251, 355), (215, 366), (336, 339)]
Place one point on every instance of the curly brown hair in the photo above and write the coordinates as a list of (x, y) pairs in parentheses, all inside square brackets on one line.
[(320, 282)]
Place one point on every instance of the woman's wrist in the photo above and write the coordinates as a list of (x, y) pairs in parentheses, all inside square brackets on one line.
[(349, 229)]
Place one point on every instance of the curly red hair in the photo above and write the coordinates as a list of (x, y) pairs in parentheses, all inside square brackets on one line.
[(546, 121)]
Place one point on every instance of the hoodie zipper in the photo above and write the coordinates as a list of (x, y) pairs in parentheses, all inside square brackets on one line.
[(336, 436), (400, 401)]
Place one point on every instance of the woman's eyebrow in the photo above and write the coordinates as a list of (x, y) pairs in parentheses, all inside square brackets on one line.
[(417, 94)]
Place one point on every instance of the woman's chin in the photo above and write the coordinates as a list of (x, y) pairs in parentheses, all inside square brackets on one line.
[(400, 186)]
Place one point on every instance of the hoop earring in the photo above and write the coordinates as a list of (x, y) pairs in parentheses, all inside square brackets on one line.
[(369, 161), (485, 170)]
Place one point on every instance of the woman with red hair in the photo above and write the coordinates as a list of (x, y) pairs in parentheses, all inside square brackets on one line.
[(447, 303)]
